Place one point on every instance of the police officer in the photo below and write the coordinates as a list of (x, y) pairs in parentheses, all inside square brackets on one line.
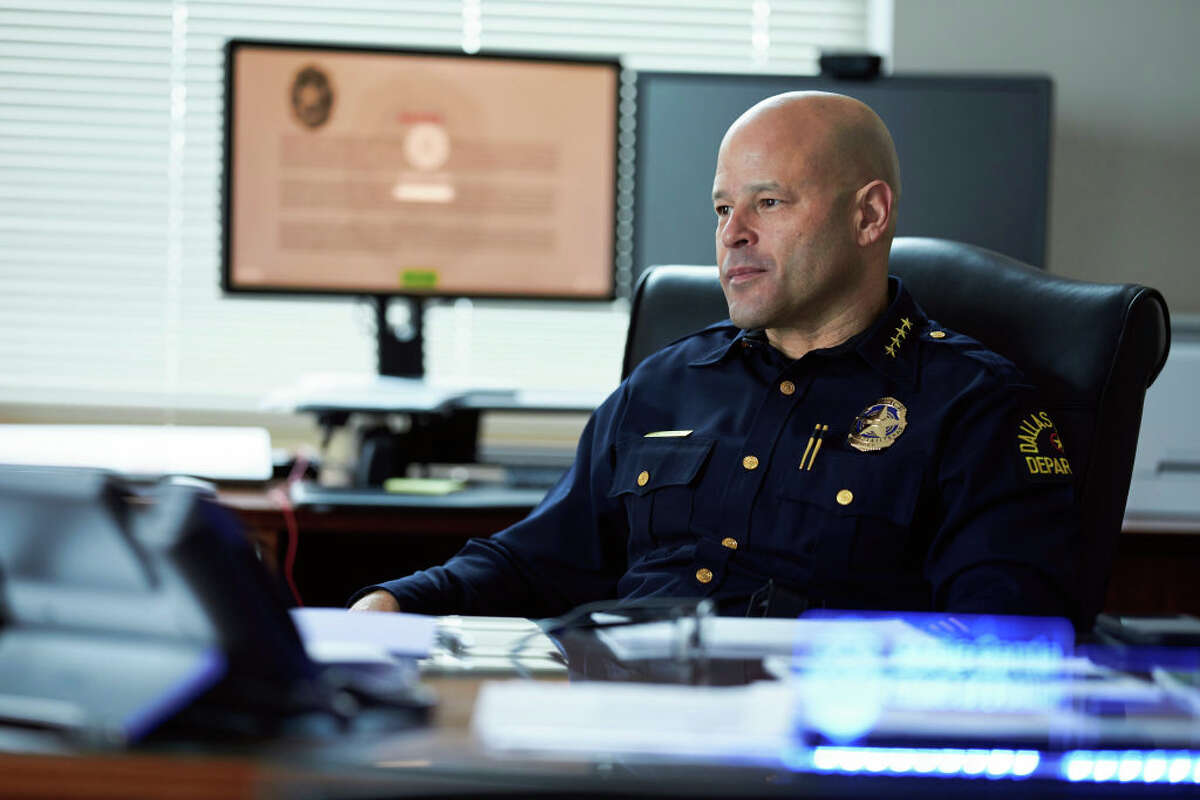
[(829, 446)]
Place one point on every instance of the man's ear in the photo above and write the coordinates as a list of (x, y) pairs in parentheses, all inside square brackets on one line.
[(873, 217)]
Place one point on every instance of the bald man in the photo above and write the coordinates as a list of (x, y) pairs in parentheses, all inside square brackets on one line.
[(828, 446)]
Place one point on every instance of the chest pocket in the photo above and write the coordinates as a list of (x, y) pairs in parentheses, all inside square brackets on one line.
[(854, 512), (657, 480)]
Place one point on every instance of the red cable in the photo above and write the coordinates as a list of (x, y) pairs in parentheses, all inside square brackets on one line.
[(282, 496)]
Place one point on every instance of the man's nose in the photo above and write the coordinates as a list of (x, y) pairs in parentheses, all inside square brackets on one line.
[(737, 233)]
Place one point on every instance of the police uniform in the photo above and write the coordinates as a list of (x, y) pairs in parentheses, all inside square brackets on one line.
[(907, 468)]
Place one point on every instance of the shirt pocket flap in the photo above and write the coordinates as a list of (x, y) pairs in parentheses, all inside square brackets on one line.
[(854, 485), (644, 465)]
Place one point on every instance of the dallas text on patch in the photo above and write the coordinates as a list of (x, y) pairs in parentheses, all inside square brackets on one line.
[(1030, 432)]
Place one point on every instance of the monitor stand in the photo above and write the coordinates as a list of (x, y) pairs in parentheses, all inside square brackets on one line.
[(400, 357), (408, 422), (441, 434)]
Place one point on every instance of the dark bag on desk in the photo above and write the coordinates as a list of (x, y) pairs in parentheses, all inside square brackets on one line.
[(120, 610)]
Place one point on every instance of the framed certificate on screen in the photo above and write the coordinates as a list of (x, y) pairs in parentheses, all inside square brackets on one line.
[(387, 172)]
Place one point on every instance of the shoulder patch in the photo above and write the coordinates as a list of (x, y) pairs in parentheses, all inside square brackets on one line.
[(1040, 449)]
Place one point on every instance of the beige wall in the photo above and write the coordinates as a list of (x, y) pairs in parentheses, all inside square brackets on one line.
[(1125, 180)]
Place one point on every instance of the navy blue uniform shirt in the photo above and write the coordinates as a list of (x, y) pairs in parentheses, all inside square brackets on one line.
[(909, 468)]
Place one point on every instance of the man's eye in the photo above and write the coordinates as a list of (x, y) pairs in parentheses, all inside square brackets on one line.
[(768, 202), (722, 211)]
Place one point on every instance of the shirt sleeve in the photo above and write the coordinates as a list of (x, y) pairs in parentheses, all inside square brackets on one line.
[(570, 550), (1007, 528)]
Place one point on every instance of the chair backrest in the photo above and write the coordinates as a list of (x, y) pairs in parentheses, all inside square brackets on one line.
[(1093, 349)]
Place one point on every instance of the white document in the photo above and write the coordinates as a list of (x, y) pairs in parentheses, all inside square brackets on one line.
[(492, 645), (334, 635), (214, 452), (742, 722), (759, 723)]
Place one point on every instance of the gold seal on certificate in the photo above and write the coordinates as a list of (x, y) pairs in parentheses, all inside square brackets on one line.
[(312, 96)]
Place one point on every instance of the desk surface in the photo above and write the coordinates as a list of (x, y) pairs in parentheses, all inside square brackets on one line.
[(446, 759)]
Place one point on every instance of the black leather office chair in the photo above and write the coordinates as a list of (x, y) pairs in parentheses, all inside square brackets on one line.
[(1092, 348)]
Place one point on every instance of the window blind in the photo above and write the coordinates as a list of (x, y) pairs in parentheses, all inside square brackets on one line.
[(110, 159)]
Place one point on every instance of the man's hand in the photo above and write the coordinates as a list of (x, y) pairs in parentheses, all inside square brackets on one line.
[(378, 600)]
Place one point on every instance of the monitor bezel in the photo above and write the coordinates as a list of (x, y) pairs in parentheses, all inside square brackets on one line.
[(1039, 87), (231, 289)]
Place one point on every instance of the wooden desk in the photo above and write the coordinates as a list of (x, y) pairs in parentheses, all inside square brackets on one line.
[(363, 764), (444, 760), (1156, 571), (342, 549), (311, 771), (128, 776), (1157, 568)]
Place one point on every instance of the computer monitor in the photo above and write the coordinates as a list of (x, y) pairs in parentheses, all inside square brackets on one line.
[(974, 156), (418, 174)]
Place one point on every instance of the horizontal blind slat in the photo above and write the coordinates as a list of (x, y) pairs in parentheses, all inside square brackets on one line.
[(110, 239)]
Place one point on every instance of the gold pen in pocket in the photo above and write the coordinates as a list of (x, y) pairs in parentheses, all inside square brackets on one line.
[(814, 446)]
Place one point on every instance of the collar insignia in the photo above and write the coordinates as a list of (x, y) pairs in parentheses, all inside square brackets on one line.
[(879, 425), (901, 333)]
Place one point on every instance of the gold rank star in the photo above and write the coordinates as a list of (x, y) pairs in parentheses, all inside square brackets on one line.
[(898, 337)]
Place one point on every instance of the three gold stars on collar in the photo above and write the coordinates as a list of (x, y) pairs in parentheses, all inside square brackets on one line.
[(901, 332)]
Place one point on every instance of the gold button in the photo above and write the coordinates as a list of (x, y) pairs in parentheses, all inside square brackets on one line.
[(937, 334), (787, 387), (729, 542), (704, 575), (845, 497), (643, 478), (750, 462)]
